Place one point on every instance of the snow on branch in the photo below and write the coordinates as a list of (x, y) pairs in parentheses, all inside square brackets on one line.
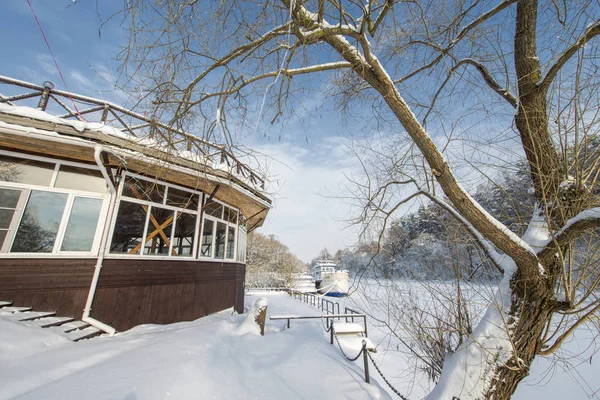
[(487, 247), (585, 220)]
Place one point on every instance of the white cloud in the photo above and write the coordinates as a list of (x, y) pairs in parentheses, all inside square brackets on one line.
[(304, 217), (47, 64), (81, 80)]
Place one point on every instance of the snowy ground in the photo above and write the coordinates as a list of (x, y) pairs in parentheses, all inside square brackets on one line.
[(571, 373), (216, 357), (221, 356)]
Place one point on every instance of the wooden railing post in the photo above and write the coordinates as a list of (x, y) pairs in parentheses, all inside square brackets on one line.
[(48, 86)]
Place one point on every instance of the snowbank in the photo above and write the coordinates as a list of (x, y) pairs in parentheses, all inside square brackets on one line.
[(202, 359)]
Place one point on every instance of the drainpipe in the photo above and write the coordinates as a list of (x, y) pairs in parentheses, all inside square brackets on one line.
[(98, 149)]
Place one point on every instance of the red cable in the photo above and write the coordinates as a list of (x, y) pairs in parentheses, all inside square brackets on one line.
[(54, 58)]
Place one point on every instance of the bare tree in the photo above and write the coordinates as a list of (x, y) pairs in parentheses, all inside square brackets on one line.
[(270, 263), (429, 70)]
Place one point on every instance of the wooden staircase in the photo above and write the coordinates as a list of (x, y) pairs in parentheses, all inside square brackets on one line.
[(65, 326)]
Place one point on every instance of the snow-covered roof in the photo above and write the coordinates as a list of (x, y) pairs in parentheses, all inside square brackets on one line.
[(86, 120)]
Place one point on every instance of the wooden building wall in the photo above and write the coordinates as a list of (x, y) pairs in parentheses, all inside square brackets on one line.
[(130, 292), (47, 284)]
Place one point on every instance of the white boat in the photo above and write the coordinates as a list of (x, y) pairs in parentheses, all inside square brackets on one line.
[(304, 283), (330, 280)]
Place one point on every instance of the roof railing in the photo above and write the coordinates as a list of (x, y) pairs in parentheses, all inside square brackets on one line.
[(116, 116)]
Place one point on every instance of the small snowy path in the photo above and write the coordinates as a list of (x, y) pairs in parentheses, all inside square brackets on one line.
[(215, 357)]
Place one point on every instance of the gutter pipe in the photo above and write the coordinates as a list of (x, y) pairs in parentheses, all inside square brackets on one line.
[(98, 150)]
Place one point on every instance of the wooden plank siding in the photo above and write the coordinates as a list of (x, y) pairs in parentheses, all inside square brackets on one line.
[(137, 291), (48, 284), (129, 292)]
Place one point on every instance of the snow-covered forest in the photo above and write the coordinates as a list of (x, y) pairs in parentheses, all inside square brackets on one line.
[(428, 243)]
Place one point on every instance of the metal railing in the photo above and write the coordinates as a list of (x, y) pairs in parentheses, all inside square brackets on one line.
[(124, 120)]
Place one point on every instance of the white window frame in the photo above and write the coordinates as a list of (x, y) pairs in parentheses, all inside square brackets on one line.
[(150, 204), (71, 194), (227, 225)]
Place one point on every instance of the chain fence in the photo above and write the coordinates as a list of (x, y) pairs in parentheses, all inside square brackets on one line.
[(367, 356)]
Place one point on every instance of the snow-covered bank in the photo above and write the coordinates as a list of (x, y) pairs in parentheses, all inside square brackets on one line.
[(570, 373), (203, 359)]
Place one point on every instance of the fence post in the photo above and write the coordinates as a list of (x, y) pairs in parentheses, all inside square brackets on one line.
[(331, 331), (366, 359)]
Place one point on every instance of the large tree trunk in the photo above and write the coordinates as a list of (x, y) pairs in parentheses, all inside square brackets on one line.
[(532, 301), (532, 307)]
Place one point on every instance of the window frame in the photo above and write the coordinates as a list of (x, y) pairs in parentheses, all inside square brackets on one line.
[(150, 204), (71, 195), (227, 225)]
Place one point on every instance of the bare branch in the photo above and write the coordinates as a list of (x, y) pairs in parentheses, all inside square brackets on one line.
[(589, 33), (487, 77), (585, 220), (560, 340)]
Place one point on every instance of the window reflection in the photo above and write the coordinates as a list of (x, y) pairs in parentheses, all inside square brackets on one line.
[(220, 240), (40, 222), (9, 198), (80, 179), (230, 242), (143, 190), (241, 244), (20, 170), (207, 239), (129, 228), (81, 228)]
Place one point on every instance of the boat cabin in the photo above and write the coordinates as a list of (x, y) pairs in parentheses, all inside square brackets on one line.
[(112, 217)]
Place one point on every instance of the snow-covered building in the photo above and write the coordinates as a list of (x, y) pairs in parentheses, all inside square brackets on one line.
[(118, 222)]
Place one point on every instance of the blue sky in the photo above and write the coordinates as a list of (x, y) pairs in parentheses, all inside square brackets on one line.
[(308, 157)]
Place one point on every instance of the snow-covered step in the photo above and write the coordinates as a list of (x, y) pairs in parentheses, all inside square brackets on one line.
[(71, 326), (5, 303), (32, 315), (15, 309), (355, 342), (51, 321), (85, 333), (341, 328)]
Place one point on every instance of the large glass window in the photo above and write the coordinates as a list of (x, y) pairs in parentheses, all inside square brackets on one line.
[(185, 234), (9, 201), (40, 222), (230, 242), (220, 240), (50, 219), (160, 219), (214, 210), (158, 236), (207, 239), (129, 228), (82, 225), (231, 215), (182, 199), (19, 170), (142, 189), (84, 179), (241, 244)]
